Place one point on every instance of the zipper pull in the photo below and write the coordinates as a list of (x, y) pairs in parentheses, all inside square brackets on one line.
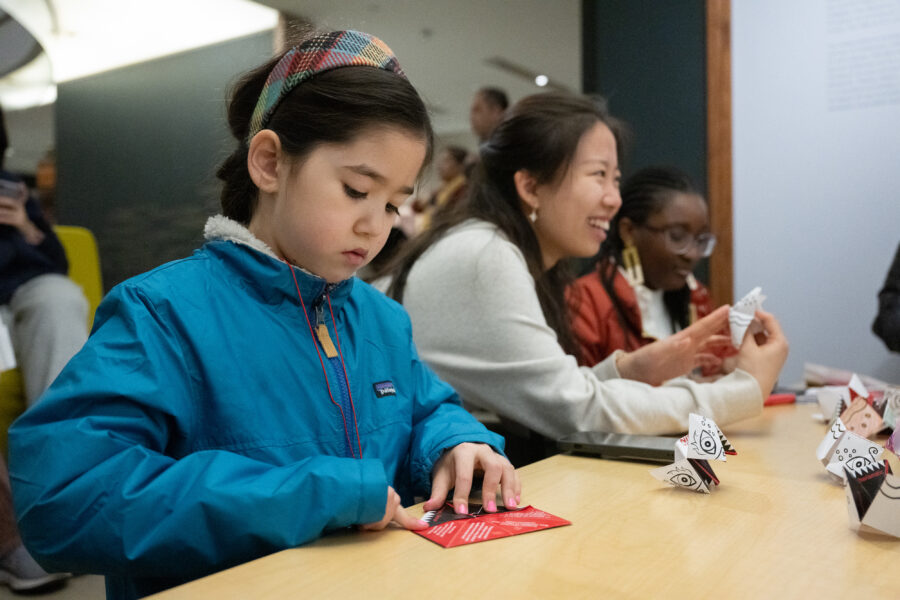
[(322, 333)]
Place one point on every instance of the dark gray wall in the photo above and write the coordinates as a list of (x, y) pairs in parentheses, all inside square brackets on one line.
[(137, 150), (648, 58)]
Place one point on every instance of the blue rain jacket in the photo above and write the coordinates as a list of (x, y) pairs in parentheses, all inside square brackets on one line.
[(194, 432)]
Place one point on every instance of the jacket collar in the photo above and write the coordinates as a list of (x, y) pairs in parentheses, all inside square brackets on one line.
[(265, 272)]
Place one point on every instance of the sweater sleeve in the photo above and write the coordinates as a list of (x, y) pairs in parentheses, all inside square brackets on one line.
[(478, 322), (97, 489)]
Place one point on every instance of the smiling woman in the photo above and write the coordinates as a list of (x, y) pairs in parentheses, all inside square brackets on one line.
[(484, 290), (643, 287)]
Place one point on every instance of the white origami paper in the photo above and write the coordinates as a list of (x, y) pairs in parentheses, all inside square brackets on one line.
[(857, 412), (741, 316), (691, 470), (873, 498), (835, 399), (842, 448)]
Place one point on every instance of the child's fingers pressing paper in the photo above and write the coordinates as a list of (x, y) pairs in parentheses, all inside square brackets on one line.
[(407, 521), (491, 484), (464, 467), (440, 486), (393, 501), (512, 488)]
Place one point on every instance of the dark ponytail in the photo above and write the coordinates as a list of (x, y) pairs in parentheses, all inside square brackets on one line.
[(334, 106)]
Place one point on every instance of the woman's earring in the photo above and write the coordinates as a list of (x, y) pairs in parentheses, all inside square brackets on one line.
[(691, 282), (533, 216), (632, 263)]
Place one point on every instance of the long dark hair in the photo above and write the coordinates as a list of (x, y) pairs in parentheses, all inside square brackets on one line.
[(539, 134), (332, 107), (643, 194)]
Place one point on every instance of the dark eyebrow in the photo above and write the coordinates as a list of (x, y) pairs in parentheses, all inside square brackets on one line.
[(368, 171), (602, 161)]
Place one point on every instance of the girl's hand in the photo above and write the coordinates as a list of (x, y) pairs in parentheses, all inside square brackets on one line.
[(763, 355), (457, 468), (395, 513), (677, 354)]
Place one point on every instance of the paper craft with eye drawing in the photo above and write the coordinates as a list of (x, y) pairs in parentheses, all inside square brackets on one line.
[(741, 316), (873, 498), (842, 448), (691, 469)]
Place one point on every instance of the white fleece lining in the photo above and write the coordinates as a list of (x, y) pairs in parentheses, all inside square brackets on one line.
[(221, 227)]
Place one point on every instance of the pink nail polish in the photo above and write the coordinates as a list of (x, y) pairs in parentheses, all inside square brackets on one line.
[(461, 509), (492, 506), (518, 500)]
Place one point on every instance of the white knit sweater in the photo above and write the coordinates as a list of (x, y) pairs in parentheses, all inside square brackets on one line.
[(478, 323)]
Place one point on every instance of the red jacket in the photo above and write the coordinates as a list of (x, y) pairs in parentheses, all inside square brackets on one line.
[(596, 325)]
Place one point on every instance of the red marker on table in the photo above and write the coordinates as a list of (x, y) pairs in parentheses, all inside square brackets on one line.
[(774, 399)]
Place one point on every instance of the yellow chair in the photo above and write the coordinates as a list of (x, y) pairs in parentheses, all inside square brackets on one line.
[(84, 269)]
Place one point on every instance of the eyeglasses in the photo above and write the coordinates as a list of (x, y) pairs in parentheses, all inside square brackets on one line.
[(680, 241)]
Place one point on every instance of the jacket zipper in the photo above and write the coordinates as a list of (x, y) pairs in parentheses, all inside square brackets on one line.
[(337, 370)]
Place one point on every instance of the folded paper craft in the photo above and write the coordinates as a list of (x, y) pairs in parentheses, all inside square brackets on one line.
[(741, 316), (858, 410), (834, 399), (842, 448), (691, 469), (861, 411), (448, 529), (828, 398), (873, 498), (862, 418)]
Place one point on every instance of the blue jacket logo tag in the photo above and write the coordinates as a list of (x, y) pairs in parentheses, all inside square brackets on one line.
[(384, 388)]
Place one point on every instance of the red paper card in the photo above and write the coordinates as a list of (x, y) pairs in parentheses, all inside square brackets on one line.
[(449, 529)]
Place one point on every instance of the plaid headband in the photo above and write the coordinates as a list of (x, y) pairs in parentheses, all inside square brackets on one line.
[(316, 55)]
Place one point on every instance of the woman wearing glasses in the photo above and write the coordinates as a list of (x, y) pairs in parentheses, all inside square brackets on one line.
[(643, 288)]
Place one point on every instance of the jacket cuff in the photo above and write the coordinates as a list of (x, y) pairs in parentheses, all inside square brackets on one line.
[(373, 486)]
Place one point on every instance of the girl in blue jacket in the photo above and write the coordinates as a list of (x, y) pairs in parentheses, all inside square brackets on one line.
[(256, 395)]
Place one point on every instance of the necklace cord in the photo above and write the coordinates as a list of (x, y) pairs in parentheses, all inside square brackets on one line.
[(322, 363), (346, 379)]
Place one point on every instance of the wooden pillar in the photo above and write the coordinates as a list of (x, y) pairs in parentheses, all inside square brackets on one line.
[(719, 169)]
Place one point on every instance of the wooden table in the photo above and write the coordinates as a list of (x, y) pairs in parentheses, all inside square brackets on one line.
[(776, 527)]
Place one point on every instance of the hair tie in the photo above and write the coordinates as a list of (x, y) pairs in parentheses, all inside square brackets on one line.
[(316, 55)]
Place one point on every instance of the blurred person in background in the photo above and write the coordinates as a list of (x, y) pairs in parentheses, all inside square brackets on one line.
[(44, 323), (488, 107), (887, 322)]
